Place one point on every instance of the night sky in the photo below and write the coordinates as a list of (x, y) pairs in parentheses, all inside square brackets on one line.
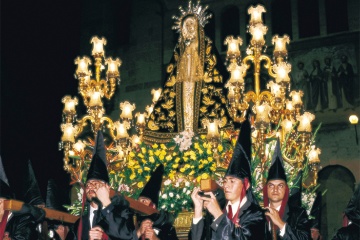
[(39, 42)]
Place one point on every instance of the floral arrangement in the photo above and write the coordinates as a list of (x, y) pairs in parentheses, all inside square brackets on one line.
[(187, 159)]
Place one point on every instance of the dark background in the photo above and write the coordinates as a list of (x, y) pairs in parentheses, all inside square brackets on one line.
[(39, 42)]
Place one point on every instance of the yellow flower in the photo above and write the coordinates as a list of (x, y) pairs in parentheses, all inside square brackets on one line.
[(143, 161), (187, 166), (143, 150), (112, 171), (140, 155), (147, 169), (204, 176), (132, 176), (196, 146), (208, 151), (157, 152), (132, 154), (155, 146), (220, 148), (151, 152), (201, 166), (213, 168), (151, 159), (177, 159), (205, 145), (203, 136), (162, 146), (168, 157), (171, 175), (175, 166), (198, 179), (174, 154), (210, 159), (192, 172), (201, 151), (140, 184), (205, 161), (161, 157), (147, 177), (185, 159), (182, 170)]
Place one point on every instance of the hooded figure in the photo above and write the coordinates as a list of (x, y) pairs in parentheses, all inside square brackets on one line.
[(352, 212), (56, 229), (242, 218), (162, 223), (15, 225), (315, 215), (113, 220), (285, 220)]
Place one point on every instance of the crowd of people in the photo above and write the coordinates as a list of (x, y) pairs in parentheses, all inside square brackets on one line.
[(328, 87), (233, 209)]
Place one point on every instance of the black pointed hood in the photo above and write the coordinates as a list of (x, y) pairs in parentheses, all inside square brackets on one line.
[(98, 166), (277, 171), (31, 191), (295, 192), (152, 187), (239, 165), (315, 212), (5, 191), (54, 196), (352, 210)]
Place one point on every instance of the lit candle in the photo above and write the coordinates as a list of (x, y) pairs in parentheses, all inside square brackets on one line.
[(233, 46), (98, 46), (256, 14), (82, 65), (68, 132), (79, 146), (282, 71), (289, 105), (95, 99), (69, 104), (127, 109), (305, 122), (258, 31), (262, 113), (135, 140), (213, 128), (121, 129), (113, 65), (274, 88), (287, 125), (314, 155), (296, 97), (149, 109), (140, 118), (237, 72), (353, 119), (231, 93), (156, 94), (280, 44)]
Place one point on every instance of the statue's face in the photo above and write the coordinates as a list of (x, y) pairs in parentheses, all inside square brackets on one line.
[(189, 28)]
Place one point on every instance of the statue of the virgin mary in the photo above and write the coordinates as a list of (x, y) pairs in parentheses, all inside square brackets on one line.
[(194, 87)]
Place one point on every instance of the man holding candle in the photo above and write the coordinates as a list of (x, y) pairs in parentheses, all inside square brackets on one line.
[(242, 218), (284, 221)]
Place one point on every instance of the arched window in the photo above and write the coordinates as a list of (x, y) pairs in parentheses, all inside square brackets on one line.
[(336, 16), (281, 21), (230, 24), (309, 22), (210, 27)]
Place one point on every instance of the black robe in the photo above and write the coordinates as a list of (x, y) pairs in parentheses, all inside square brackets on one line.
[(350, 232), (297, 224), (115, 220), (21, 227), (252, 225)]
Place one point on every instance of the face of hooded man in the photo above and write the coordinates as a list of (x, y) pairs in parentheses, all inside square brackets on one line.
[(276, 190), (91, 187), (232, 188)]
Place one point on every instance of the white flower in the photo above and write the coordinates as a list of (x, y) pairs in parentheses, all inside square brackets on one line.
[(124, 187), (167, 182), (172, 205), (184, 190), (188, 192), (164, 196), (177, 196), (177, 184), (163, 207), (177, 139), (187, 183), (184, 202), (171, 194)]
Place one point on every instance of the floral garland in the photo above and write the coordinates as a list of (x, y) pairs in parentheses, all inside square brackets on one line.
[(187, 159)]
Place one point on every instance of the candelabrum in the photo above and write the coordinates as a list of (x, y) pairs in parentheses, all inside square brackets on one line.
[(77, 152), (276, 111)]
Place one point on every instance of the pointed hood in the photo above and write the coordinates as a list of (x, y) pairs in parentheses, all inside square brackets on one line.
[(5, 191), (315, 212), (98, 166), (239, 165), (54, 197), (31, 191), (352, 210), (277, 171), (152, 187), (295, 193)]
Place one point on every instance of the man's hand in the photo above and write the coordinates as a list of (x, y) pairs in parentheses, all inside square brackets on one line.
[(212, 205), (146, 224), (150, 234), (198, 203), (275, 217), (96, 233), (103, 194)]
